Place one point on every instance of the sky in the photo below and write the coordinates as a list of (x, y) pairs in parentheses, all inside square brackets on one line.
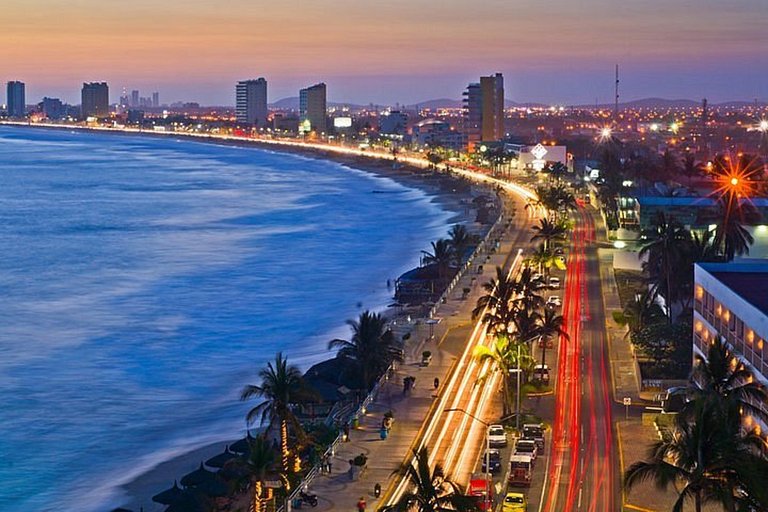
[(383, 52)]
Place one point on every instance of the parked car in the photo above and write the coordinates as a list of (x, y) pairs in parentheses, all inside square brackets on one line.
[(494, 457), (515, 502), (554, 283), (534, 431), (497, 436), (559, 251), (527, 447), (541, 372), (553, 301)]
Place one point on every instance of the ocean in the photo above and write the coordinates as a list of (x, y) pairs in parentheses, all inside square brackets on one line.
[(144, 281)]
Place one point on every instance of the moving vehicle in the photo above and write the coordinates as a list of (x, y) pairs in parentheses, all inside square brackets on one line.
[(534, 431), (527, 447), (494, 457), (482, 490), (520, 469), (514, 502), (554, 283), (497, 436)]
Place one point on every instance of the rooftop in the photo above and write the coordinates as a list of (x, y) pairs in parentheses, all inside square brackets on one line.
[(748, 278)]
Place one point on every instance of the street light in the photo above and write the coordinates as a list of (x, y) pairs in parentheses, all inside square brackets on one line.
[(487, 453)]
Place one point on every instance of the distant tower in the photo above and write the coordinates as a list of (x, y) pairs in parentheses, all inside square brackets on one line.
[(616, 99), (703, 144), (155, 99), (95, 99), (251, 102), (16, 99)]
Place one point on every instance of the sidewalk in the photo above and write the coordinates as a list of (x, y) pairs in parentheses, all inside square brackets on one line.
[(338, 491), (624, 369)]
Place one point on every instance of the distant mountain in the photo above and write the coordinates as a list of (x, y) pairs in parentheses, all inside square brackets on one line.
[(434, 104), (293, 104)]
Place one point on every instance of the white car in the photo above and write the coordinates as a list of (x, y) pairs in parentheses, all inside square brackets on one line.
[(554, 283), (553, 301), (497, 436), (527, 447)]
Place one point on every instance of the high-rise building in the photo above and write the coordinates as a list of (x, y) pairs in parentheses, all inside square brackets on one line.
[(53, 108), (155, 99), (95, 99), (16, 99), (312, 108), (135, 98), (484, 110), (251, 102)]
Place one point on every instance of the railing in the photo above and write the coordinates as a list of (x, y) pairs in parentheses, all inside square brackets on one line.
[(331, 450)]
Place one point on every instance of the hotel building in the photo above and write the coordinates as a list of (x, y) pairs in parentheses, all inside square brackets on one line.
[(16, 99), (95, 99), (312, 109), (731, 300), (251, 102), (484, 110)]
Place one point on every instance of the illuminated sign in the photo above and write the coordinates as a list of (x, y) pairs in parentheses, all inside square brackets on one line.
[(538, 152), (342, 122), (305, 126)]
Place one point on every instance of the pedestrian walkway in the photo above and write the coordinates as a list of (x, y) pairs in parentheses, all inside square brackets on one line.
[(624, 369), (338, 490)]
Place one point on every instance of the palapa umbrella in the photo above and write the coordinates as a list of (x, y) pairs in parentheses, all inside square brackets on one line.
[(197, 477), (243, 445), (218, 461), (213, 487), (169, 496), (189, 503)]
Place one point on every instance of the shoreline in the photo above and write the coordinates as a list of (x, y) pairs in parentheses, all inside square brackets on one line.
[(137, 492)]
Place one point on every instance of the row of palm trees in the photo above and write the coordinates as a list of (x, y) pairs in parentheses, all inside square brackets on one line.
[(714, 453), (555, 198), (515, 315), (447, 253)]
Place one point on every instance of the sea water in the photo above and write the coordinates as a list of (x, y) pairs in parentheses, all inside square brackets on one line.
[(144, 281)]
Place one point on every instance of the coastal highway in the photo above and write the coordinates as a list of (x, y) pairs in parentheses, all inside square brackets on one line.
[(582, 474), (454, 439)]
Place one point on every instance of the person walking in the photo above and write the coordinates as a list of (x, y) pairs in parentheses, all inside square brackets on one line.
[(361, 504)]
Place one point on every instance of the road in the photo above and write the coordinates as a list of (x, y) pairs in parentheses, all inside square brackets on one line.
[(582, 474), (455, 439)]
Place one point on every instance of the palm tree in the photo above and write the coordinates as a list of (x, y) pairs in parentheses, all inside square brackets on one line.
[(548, 232), (442, 255), (712, 461), (667, 244), (430, 490), (460, 240), (640, 312), (690, 168), (503, 354), (496, 304), (525, 289), (527, 323), (372, 346), (721, 377), (557, 170), (260, 461), (543, 258), (731, 237), (550, 325), (280, 386)]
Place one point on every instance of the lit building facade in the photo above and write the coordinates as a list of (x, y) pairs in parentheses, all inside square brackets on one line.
[(95, 99), (17, 106), (313, 108), (251, 102), (484, 110), (730, 300)]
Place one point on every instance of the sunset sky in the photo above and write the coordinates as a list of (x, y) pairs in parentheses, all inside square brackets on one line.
[(557, 51)]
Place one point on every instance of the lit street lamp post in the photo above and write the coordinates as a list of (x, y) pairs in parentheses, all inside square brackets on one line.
[(487, 454)]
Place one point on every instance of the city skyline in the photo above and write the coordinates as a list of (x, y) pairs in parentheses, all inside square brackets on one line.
[(404, 52)]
